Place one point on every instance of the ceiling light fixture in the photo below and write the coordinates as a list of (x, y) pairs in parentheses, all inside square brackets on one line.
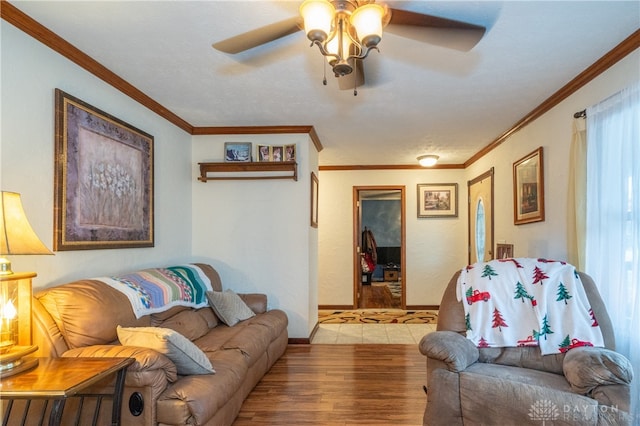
[(428, 160), (343, 30)]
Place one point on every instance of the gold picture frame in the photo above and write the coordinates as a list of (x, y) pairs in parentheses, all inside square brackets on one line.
[(528, 188)]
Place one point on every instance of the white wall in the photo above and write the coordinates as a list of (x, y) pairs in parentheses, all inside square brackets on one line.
[(30, 73), (437, 247), (257, 233)]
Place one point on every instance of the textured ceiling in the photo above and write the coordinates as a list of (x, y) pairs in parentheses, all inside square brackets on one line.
[(418, 98)]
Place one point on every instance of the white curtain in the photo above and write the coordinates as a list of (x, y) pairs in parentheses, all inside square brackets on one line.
[(576, 207), (612, 252)]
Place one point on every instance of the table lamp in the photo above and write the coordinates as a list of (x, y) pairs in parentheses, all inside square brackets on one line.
[(16, 238)]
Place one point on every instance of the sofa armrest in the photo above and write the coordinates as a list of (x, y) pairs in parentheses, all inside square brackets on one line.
[(586, 368), (453, 349), (257, 302), (149, 367)]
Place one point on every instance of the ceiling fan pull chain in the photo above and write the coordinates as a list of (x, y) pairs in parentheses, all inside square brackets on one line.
[(355, 82), (324, 72)]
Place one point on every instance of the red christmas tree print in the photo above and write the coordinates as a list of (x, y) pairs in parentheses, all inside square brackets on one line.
[(515, 262), (593, 317), (498, 321), (538, 275), (483, 343)]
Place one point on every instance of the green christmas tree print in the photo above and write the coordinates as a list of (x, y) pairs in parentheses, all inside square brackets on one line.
[(545, 329), (467, 322), (535, 334), (488, 271), (538, 275), (498, 321), (566, 342), (521, 293), (563, 294)]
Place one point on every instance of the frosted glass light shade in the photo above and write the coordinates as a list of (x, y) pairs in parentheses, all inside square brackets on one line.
[(318, 19), (367, 21), (428, 160)]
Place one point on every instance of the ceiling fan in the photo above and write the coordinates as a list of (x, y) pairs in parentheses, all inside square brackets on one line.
[(342, 30)]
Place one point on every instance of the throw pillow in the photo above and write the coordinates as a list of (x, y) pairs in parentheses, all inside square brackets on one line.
[(188, 358), (229, 307)]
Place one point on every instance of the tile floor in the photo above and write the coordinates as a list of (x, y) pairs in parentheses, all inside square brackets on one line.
[(371, 333)]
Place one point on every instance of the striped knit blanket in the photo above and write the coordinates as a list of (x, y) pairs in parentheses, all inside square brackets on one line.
[(527, 302), (158, 289)]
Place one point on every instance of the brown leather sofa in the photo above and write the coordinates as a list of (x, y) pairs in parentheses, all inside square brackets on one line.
[(518, 385), (79, 319)]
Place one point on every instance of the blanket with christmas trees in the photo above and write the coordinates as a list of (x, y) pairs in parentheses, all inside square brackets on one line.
[(527, 302)]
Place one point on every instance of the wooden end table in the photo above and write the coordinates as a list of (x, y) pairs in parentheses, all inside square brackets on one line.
[(60, 378)]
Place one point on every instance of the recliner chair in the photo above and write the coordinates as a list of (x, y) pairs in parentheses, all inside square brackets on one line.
[(517, 385)]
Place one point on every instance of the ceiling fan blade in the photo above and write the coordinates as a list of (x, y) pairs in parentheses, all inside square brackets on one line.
[(435, 30), (355, 79), (259, 36)]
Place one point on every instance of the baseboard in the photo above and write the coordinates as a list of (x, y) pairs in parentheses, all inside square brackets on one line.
[(423, 307), (299, 341), (350, 307), (335, 307)]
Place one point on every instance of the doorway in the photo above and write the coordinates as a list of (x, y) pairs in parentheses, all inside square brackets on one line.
[(481, 218), (379, 247)]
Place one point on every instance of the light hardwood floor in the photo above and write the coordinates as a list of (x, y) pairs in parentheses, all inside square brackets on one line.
[(340, 385)]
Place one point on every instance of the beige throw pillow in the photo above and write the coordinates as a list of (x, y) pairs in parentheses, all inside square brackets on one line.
[(188, 358), (229, 307)]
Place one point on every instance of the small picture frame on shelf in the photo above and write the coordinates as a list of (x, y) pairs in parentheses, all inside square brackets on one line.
[(504, 251), (237, 151), (264, 153), (290, 153), (277, 153)]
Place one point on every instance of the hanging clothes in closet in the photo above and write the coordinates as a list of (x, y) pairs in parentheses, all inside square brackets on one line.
[(369, 249)]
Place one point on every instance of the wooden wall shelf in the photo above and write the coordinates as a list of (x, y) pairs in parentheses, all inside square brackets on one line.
[(229, 170)]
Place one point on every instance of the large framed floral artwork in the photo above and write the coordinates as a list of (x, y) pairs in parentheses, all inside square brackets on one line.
[(103, 179)]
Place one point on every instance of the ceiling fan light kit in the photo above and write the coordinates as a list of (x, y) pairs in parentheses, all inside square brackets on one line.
[(428, 160), (344, 31)]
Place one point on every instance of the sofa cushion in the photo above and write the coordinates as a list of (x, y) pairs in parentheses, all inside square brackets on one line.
[(189, 323), (187, 357), (229, 307), (88, 311)]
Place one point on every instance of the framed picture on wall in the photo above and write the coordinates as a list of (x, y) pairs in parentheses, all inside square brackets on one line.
[(528, 188), (103, 187), (437, 200), (314, 200), (277, 153)]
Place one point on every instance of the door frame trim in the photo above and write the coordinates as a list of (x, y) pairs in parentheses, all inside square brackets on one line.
[(357, 275), (487, 174)]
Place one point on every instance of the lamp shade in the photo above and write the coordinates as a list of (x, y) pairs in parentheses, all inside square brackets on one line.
[(16, 234)]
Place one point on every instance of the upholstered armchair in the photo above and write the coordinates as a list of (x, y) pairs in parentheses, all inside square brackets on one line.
[(517, 385)]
